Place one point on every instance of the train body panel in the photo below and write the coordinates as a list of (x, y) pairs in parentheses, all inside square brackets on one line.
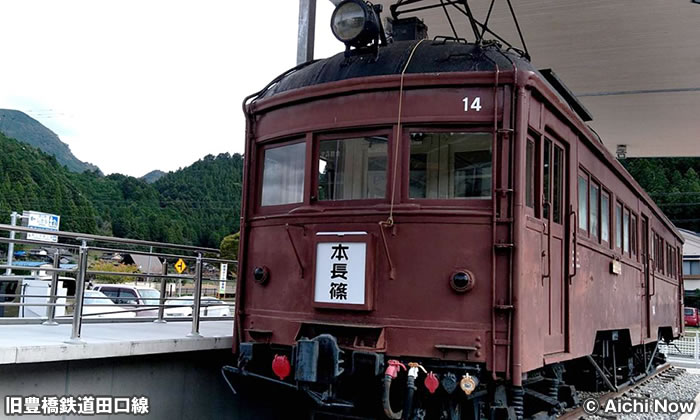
[(491, 232)]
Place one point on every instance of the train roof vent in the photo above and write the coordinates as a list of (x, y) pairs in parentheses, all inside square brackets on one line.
[(566, 94)]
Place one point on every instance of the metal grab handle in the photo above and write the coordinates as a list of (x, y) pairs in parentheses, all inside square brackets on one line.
[(652, 278), (574, 240), (549, 240)]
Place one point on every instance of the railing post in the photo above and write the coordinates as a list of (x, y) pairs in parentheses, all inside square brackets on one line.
[(695, 347), (161, 307), (79, 294), (51, 309), (197, 298)]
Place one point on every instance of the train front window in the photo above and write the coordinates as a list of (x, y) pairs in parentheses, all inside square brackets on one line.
[(450, 165), (283, 175), (352, 168)]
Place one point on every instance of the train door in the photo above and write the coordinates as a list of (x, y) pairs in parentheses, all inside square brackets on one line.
[(646, 298), (555, 182)]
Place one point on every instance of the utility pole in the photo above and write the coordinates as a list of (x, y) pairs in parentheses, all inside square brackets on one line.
[(11, 246), (307, 31)]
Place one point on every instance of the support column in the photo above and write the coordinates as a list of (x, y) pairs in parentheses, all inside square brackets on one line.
[(307, 31)]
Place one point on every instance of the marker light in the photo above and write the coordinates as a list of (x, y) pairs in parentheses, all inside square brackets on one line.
[(462, 281), (355, 23)]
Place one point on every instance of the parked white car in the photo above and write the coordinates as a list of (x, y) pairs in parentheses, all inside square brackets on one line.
[(108, 309), (132, 297), (210, 307)]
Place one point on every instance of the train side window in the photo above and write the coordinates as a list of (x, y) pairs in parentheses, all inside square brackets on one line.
[(547, 176), (633, 235), (450, 165), (583, 202), (652, 249), (352, 168), (626, 232), (605, 217), (660, 253), (557, 184), (594, 194), (283, 174), (530, 174), (618, 225)]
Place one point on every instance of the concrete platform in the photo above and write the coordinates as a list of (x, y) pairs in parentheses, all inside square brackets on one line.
[(40, 343)]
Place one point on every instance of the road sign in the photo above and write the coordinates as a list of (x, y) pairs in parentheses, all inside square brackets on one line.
[(222, 277), (180, 266), (43, 221)]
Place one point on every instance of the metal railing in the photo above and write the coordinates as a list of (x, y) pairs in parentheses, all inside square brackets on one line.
[(687, 347), (84, 247)]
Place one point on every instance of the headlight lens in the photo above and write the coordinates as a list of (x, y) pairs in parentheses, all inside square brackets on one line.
[(348, 21)]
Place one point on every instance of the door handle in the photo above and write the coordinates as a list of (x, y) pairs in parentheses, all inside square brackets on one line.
[(548, 227), (574, 241)]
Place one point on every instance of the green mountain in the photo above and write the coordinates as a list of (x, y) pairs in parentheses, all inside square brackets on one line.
[(153, 176), (20, 126), (674, 184), (197, 205), (33, 180)]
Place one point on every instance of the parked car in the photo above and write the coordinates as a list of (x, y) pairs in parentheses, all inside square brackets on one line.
[(107, 308), (692, 317), (132, 296), (210, 307)]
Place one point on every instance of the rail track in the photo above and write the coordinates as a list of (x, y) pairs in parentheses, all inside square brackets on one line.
[(665, 371)]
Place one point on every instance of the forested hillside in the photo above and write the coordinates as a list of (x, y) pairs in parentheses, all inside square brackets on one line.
[(33, 180), (674, 183), (196, 205), (20, 126)]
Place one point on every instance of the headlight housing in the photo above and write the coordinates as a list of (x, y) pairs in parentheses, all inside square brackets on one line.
[(355, 23)]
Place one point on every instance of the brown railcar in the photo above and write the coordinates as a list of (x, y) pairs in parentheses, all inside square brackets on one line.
[(490, 237)]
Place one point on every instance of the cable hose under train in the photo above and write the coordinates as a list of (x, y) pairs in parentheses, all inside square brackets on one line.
[(386, 400), (408, 404)]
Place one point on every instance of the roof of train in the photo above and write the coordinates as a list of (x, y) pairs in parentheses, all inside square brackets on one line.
[(431, 56)]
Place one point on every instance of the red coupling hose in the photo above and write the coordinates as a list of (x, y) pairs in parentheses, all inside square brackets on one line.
[(391, 372)]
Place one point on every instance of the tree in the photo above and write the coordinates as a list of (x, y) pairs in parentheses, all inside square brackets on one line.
[(229, 246), (107, 266)]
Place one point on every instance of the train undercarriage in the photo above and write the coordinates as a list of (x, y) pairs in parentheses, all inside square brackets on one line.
[(344, 384)]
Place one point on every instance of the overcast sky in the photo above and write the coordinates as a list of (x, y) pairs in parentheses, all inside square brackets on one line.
[(133, 86)]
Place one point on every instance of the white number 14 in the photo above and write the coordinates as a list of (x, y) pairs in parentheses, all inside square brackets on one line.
[(475, 105)]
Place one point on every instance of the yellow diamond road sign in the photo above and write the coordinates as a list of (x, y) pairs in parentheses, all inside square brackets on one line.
[(180, 266)]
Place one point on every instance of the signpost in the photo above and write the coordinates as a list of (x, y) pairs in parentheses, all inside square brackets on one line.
[(180, 266), (43, 221), (35, 220), (222, 278)]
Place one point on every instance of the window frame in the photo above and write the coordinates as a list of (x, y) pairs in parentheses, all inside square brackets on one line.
[(582, 173), (609, 243), (626, 227), (618, 226), (531, 174), (260, 171), (317, 138), (403, 171), (595, 236), (634, 236)]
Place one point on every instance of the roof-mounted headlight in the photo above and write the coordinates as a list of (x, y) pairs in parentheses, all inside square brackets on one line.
[(356, 23)]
